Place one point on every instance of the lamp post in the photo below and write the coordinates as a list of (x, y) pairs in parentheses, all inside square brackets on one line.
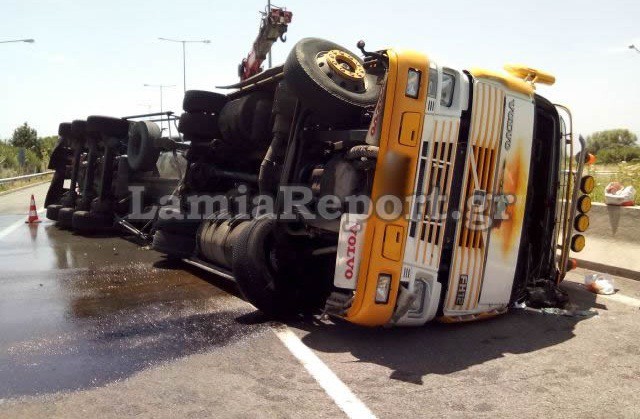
[(161, 87), (28, 41), (633, 47), (269, 11), (184, 42)]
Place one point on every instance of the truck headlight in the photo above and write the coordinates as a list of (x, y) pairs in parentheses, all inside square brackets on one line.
[(413, 83), (383, 288)]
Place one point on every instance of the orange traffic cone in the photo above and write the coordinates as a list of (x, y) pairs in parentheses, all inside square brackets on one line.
[(33, 213)]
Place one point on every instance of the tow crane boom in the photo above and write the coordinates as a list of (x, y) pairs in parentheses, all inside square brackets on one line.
[(272, 27)]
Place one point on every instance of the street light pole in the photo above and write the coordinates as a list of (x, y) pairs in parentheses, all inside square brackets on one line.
[(269, 11), (28, 41), (161, 86), (184, 66), (184, 55), (632, 46)]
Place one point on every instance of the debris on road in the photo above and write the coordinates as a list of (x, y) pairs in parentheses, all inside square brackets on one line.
[(615, 193), (570, 312), (599, 284)]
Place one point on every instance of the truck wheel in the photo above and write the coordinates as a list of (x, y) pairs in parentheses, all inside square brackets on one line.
[(65, 215), (257, 274), (174, 245), (199, 127), (52, 211), (201, 101), (142, 152), (87, 222), (79, 129), (330, 80), (64, 130), (111, 127)]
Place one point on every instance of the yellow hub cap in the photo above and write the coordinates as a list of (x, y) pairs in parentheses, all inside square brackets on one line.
[(345, 65)]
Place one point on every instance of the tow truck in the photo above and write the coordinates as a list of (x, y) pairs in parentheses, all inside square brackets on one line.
[(273, 26)]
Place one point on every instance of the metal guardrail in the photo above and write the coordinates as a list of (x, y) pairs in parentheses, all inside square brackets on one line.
[(25, 177)]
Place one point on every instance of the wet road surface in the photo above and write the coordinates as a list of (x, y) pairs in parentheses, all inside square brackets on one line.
[(14, 205), (105, 327), (78, 313)]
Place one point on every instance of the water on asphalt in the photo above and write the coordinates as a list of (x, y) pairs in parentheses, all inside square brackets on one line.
[(77, 313)]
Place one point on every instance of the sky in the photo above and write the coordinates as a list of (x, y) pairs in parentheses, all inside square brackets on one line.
[(93, 58)]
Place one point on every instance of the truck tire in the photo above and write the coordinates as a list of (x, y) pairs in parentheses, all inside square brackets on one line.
[(201, 101), (245, 122), (52, 211), (79, 129), (65, 217), (142, 152), (181, 226), (88, 222), (64, 130), (336, 93), (106, 125), (199, 127), (259, 279), (174, 245)]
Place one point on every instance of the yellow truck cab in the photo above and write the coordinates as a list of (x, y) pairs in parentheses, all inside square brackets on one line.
[(466, 142)]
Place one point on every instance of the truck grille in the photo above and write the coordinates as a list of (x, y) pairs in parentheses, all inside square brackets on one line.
[(435, 171), (476, 200)]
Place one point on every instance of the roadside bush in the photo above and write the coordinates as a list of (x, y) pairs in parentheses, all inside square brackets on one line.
[(8, 157), (618, 154), (9, 165)]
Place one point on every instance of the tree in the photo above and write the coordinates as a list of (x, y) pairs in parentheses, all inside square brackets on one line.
[(610, 139), (26, 137), (618, 154)]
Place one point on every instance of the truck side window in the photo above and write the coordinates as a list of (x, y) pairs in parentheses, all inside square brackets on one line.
[(448, 84)]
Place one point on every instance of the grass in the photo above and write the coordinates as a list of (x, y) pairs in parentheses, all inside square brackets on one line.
[(625, 173)]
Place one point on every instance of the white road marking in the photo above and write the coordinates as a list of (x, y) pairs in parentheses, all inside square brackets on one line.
[(623, 299), (332, 385), (13, 227)]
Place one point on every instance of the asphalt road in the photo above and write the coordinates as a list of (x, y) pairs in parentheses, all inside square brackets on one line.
[(103, 327)]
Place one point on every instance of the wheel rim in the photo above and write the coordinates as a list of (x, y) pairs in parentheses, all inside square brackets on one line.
[(343, 69)]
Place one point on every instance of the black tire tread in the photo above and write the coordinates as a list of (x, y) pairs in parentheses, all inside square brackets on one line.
[(252, 274), (52, 211), (88, 222), (109, 126), (202, 101), (142, 153), (174, 245), (65, 217), (199, 127)]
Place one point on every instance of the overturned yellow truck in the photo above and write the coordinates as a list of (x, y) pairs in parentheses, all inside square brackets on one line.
[(403, 190), (499, 156)]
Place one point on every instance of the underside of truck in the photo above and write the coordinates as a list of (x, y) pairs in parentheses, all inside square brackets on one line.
[(298, 125)]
